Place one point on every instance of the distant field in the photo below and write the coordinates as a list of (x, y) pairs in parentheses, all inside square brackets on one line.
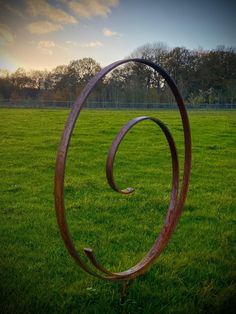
[(195, 273)]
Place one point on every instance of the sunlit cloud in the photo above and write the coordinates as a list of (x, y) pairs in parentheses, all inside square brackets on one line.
[(6, 36), (73, 43), (92, 44), (89, 8), (43, 27), (109, 33), (44, 9), (46, 46)]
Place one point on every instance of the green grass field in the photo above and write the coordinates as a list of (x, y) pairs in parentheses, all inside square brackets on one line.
[(196, 271)]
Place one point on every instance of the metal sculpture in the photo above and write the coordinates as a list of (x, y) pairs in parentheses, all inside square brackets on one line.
[(177, 198)]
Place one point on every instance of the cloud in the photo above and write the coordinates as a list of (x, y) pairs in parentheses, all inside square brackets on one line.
[(46, 46), (73, 43), (109, 33), (43, 27), (89, 8), (92, 44), (14, 10), (42, 8), (6, 36)]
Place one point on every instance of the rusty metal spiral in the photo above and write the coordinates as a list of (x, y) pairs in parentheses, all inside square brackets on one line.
[(177, 198)]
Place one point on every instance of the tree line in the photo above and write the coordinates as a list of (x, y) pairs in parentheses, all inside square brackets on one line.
[(202, 76)]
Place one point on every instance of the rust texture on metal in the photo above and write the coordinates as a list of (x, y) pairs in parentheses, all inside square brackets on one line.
[(178, 195)]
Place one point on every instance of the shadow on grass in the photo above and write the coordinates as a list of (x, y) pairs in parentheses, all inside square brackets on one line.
[(153, 292)]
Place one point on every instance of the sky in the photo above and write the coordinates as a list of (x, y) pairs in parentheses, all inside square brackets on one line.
[(42, 34)]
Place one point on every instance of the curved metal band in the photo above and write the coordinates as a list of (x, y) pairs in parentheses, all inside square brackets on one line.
[(144, 264), (176, 203), (114, 147)]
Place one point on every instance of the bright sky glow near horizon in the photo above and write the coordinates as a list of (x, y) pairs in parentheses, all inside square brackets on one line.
[(41, 34)]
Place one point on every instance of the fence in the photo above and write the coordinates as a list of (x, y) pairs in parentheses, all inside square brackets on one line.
[(108, 105)]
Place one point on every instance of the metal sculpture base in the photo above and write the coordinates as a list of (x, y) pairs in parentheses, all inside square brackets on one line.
[(177, 198)]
